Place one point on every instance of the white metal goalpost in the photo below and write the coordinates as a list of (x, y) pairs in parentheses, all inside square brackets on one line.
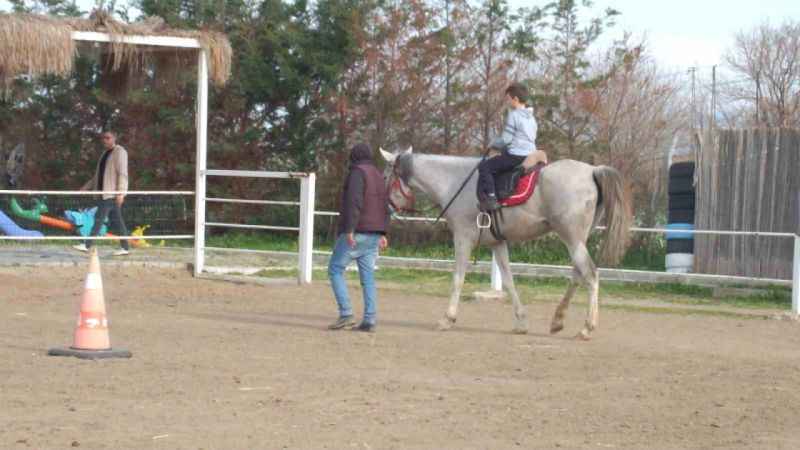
[(307, 190), (307, 180), (305, 229)]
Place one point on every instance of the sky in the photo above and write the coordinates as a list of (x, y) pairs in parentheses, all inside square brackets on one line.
[(681, 33), (685, 33)]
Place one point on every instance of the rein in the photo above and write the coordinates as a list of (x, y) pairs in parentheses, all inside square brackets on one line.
[(466, 180), (411, 198), (410, 195)]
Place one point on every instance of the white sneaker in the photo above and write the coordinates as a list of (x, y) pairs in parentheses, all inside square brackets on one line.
[(121, 252), (80, 248)]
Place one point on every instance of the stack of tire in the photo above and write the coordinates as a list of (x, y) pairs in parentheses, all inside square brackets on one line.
[(680, 218)]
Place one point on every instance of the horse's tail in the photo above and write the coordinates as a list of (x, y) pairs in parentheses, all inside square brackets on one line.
[(616, 204)]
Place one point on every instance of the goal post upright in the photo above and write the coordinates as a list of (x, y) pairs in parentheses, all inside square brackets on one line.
[(201, 160)]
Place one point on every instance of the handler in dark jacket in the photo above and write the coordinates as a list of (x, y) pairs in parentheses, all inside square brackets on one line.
[(363, 221)]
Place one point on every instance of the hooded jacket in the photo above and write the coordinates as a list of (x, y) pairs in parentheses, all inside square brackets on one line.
[(519, 134)]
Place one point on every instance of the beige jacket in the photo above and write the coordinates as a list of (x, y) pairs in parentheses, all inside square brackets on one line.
[(115, 175)]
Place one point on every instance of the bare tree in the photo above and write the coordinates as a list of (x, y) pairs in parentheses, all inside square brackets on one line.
[(633, 115), (769, 58)]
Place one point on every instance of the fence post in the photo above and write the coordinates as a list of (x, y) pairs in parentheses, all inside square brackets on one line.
[(306, 238), (200, 164), (497, 278), (796, 266), (796, 278)]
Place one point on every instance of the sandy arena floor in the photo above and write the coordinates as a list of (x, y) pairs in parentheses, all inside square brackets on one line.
[(220, 365)]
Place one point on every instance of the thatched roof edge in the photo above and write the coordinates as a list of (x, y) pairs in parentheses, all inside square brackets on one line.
[(36, 44)]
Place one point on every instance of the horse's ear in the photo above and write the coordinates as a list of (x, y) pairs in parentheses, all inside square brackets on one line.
[(409, 149), (389, 157)]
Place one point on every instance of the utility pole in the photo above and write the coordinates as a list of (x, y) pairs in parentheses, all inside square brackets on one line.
[(692, 71), (758, 98), (713, 119), (447, 76)]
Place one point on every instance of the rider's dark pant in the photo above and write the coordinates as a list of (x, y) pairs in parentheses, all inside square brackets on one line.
[(490, 167)]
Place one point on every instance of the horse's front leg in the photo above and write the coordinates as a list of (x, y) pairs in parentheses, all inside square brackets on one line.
[(520, 313), (463, 248)]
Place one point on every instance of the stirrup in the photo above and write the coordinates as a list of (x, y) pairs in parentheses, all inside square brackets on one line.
[(483, 220)]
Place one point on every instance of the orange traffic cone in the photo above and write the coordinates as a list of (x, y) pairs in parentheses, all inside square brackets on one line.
[(91, 339)]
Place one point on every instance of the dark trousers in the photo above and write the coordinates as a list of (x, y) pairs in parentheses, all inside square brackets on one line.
[(490, 167), (104, 208)]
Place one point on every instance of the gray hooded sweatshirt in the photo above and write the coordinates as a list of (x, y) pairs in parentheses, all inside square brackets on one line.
[(519, 134)]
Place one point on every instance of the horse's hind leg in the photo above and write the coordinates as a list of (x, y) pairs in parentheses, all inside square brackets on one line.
[(583, 270), (463, 248), (558, 318), (585, 266), (520, 313)]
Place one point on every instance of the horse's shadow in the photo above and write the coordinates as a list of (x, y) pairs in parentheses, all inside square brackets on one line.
[(319, 322)]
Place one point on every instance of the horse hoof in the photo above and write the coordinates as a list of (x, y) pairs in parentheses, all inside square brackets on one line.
[(583, 336), (445, 324), (520, 325), (556, 327)]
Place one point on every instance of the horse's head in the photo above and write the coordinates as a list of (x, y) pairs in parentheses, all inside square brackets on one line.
[(397, 174)]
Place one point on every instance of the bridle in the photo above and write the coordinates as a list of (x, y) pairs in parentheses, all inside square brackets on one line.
[(395, 182)]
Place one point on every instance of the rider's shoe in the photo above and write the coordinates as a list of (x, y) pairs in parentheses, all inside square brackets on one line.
[(490, 203)]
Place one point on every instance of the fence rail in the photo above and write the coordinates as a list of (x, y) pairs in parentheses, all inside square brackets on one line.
[(20, 192), (305, 229), (696, 277)]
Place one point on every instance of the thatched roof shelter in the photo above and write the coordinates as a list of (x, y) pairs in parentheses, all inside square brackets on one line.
[(33, 44)]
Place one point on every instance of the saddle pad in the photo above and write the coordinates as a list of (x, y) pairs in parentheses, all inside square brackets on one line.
[(525, 187)]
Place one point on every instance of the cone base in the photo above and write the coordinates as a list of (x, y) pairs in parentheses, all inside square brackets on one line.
[(90, 354), (91, 339)]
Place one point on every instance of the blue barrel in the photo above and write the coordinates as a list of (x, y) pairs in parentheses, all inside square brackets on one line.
[(678, 231)]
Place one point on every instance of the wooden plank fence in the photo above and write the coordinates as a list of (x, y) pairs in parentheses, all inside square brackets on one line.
[(747, 180)]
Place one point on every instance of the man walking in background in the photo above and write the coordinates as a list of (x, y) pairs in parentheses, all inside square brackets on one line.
[(363, 221), (111, 175)]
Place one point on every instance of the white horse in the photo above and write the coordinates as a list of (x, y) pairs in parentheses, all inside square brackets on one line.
[(569, 198)]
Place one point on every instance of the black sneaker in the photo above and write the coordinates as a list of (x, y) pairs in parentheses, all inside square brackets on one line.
[(365, 327), (341, 322)]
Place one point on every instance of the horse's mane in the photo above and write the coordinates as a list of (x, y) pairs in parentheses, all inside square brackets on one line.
[(406, 161)]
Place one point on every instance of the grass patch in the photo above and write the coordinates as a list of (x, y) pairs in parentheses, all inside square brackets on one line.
[(768, 298), (282, 273), (253, 241), (550, 290), (644, 254)]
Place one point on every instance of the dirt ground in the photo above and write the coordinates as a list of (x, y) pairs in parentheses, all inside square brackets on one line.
[(220, 365)]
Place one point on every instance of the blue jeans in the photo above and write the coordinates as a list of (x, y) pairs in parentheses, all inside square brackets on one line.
[(106, 208), (365, 252)]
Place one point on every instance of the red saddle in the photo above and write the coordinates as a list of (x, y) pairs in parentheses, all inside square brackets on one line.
[(524, 188)]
